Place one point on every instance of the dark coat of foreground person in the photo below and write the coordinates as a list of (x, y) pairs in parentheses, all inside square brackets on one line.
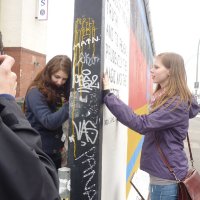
[(26, 172)]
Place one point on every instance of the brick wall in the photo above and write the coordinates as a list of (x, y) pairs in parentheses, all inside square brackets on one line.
[(27, 64)]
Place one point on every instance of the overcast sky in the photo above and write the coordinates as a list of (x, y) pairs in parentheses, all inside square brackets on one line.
[(176, 27)]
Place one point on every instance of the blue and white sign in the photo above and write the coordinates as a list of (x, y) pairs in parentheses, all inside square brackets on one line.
[(42, 10)]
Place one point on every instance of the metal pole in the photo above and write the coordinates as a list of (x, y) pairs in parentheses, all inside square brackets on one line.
[(1, 44), (197, 83)]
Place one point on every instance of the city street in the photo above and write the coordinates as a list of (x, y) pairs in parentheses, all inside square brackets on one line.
[(194, 134)]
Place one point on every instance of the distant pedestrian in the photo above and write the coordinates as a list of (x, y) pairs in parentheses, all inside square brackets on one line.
[(171, 107), (46, 105)]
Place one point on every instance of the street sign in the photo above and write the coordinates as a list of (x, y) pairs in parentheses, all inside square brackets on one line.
[(196, 85), (42, 10)]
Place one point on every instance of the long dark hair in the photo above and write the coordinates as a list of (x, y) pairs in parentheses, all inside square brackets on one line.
[(43, 79)]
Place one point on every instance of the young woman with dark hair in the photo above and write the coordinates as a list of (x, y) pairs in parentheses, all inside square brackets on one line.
[(46, 104)]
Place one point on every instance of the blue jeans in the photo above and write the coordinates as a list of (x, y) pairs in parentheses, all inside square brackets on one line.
[(163, 192)]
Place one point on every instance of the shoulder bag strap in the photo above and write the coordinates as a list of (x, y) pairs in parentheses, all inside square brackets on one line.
[(164, 159), (166, 162), (190, 151)]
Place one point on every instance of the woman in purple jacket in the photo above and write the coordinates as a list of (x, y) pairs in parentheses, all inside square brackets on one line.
[(171, 107)]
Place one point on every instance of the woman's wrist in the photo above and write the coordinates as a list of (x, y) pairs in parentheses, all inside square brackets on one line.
[(105, 92)]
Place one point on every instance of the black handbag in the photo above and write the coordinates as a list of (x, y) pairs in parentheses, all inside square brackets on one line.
[(189, 187)]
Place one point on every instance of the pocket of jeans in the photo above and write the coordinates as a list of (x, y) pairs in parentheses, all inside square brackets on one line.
[(169, 190)]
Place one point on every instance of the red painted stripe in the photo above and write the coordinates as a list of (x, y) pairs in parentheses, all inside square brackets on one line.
[(137, 75)]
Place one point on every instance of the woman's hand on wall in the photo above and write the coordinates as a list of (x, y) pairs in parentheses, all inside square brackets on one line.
[(106, 84)]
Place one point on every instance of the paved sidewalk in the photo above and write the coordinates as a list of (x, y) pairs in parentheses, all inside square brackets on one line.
[(194, 134)]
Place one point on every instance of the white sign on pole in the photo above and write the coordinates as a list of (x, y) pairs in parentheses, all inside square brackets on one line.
[(42, 10)]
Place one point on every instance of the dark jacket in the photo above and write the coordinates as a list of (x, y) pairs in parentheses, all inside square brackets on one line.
[(46, 119), (26, 172), (170, 127)]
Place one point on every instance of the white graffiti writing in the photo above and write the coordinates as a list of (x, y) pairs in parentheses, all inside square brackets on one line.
[(87, 154), (87, 59), (87, 42), (87, 129), (89, 172), (86, 82), (90, 194), (91, 176)]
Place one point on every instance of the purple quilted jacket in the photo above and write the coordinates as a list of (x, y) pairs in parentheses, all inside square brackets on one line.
[(170, 125)]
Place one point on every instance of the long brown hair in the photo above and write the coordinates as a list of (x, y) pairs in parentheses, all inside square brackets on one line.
[(177, 85), (43, 79)]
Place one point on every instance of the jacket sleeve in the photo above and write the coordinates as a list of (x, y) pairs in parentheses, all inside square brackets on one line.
[(36, 101), (162, 118), (27, 173)]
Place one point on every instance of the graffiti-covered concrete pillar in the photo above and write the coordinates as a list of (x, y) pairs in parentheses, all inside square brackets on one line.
[(110, 36), (85, 102)]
